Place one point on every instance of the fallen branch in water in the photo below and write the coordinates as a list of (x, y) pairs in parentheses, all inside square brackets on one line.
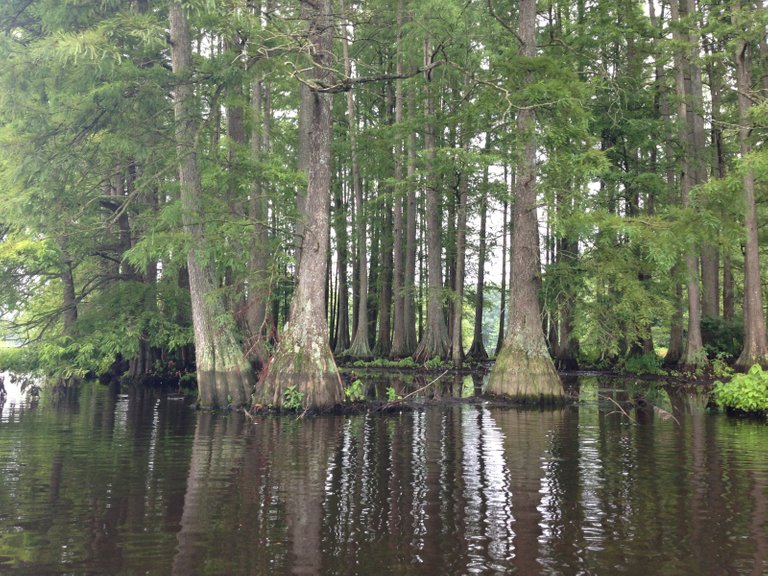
[(619, 406), (392, 403), (665, 415)]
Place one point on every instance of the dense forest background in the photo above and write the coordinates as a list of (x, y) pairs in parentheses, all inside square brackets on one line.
[(580, 183)]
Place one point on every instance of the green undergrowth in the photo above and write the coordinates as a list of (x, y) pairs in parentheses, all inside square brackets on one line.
[(744, 393), (435, 363)]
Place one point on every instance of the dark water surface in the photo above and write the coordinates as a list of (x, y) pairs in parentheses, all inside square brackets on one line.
[(102, 483)]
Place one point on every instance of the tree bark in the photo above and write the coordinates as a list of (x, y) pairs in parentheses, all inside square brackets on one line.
[(303, 361), (434, 342), (477, 351), (411, 246), (693, 355), (524, 369), (399, 338), (258, 210), (503, 291), (457, 344), (755, 349), (223, 374), (360, 347), (383, 340), (341, 336)]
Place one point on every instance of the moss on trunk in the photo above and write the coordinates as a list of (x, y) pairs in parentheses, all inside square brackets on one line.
[(304, 367), (525, 374)]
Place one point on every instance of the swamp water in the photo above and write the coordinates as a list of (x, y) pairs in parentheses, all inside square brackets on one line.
[(99, 482)]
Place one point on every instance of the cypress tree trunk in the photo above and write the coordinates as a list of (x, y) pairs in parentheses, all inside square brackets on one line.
[(755, 349), (259, 284), (693, 355), (524, 369), (383, 344), (341, 336), (409, 283), (360, 347), (399, 349), (223, 374), (503, 292), (457, 345), (434, 342), (303, 361), (477, 350)]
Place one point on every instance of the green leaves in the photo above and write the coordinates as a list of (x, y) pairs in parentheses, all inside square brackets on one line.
[(745, 392)]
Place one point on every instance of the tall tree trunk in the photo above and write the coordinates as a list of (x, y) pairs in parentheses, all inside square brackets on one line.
[(360, 347), (693, 355), (341, 336), (411, 246), (434, 342), (710, 256), (755, 349), (524, 368), (399, 349), (258, 209), (457, 344), (223, 374), (303, 361), (477, 351), (69, 295), (383, 344), (503, 291)]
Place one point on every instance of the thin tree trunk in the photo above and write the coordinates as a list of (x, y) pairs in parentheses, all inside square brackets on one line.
[(693, 355), (360, 347), (755, 349), (383, 344), (411, 246), (457, 344), (477, 351), (434, 342), (503, 291), (524, 368), (223, 374), (303, 362), (341, 336), (399, 337)]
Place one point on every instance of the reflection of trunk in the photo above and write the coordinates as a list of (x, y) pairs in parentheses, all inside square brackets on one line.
[(214, 451), (524, 448), (304, 472), (303, 360), (223, 375), (524, 368)]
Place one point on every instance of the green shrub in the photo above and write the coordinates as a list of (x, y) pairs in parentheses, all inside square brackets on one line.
[(355, 392), (643, 364), (722, 336), (293, 399), (745, 392)]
